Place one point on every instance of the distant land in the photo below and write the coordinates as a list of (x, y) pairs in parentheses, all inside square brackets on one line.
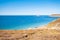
[(55, 15)]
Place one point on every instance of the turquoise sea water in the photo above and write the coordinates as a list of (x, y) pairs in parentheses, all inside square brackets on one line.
[(24, 22)]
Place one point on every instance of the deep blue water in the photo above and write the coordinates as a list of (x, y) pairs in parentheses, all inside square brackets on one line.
[(23, 22)]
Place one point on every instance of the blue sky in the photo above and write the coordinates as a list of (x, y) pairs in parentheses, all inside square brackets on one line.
[(29, 7)]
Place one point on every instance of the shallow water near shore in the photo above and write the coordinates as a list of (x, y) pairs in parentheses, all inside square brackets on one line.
[(24, 22)]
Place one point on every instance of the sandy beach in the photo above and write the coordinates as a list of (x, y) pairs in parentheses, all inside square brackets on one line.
[(37, 34)]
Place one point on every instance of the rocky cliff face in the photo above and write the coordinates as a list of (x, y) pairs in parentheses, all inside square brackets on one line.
[(36, 34)]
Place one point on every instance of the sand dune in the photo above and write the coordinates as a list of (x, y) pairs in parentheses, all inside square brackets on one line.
[(36, 34)]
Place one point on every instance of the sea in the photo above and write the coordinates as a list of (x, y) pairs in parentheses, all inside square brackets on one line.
[(23, 22)]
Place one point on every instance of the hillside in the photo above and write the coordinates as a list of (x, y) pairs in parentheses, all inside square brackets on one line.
[(55, 23)]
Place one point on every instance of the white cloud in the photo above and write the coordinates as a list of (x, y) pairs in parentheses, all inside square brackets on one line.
[(29, 12)]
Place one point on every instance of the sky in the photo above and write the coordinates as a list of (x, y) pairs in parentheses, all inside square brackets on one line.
[(29, 7)]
